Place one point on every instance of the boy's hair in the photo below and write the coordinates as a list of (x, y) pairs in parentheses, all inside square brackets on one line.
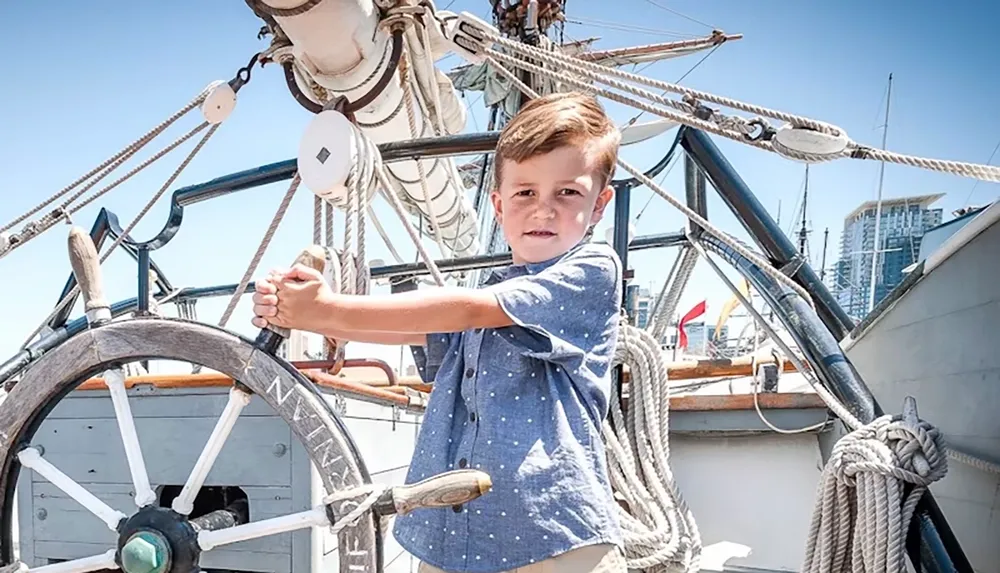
[(553, 121)]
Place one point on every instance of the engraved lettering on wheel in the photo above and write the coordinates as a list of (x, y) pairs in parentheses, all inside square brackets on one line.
[(355, 554), (326, 448), (278, 397)]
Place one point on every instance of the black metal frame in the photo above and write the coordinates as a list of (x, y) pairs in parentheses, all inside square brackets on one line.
[(931, 544)]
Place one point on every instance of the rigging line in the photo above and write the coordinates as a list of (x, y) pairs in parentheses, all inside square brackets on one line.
[(878, 113), (627, 28), (679, 80), (387, 420), (387, 470), (976, 184), (676, 13), (652, 194), (394, 559)]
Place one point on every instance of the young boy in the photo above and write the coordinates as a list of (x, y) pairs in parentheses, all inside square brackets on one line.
[(521, 368)]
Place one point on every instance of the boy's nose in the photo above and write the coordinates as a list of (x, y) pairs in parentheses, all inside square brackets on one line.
[(544, 211)]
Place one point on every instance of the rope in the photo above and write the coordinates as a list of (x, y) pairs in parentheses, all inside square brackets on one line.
[(317, 219), (660, 530), (71, 295), (862, 510), (397, 204), (261, 249), (411, 119), (117, 158), (732, 127), (65, 211), (374, 491)]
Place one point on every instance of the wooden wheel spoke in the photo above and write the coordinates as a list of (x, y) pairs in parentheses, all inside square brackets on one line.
[(32, 458), (184, 502), (115, 380), (100, 562)]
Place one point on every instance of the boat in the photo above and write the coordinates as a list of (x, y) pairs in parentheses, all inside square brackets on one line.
[(950, 289), (139, 429)]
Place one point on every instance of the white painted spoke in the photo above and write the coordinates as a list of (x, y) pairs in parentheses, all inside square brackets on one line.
[(184, 502), (94, 563), (208, 540), (115, 380), (31, 458)]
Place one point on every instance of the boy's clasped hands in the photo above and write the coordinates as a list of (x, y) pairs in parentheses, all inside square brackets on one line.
[(302, 292)]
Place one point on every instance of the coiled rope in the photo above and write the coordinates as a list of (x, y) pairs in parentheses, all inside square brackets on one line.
[(863, 509), (659, 528)]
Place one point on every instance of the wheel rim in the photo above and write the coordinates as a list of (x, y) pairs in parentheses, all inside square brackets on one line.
[(292, 397)]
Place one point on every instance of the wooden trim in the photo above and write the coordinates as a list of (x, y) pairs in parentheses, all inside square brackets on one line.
[(364, 384), (767, 401)]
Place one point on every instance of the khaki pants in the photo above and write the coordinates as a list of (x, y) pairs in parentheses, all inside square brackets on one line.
[(589, 559)]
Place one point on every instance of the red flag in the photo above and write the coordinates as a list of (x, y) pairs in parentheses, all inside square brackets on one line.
[(696, 311)]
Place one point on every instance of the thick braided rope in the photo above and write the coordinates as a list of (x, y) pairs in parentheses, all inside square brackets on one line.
[(731, 127), (117, 159), (317, 219), (660, 530), (494, 56), (686, 110), (583, 67), (125, 232), (861, 514)]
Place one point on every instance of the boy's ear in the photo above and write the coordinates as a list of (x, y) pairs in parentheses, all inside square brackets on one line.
[(603, 198), (497, 205)]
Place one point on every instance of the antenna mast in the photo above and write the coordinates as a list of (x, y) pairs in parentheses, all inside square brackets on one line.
[(822, 264), (878, 204), (803, 233)]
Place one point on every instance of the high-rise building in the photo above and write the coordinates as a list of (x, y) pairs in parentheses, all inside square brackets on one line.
[(643, 304), (903, 223)]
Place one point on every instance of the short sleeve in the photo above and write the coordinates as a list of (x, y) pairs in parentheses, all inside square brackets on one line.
[(569, 310), (434, 351)]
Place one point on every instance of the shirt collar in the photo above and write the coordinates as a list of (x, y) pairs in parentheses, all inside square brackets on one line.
[(501, 274)]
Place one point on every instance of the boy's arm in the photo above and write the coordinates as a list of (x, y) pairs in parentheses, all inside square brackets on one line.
[(386, 338), (412, 315)]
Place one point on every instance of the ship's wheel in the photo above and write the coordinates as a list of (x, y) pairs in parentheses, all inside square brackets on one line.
[(160, 538)]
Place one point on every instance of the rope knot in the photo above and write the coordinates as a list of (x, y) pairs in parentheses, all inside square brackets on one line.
[(891, 447)]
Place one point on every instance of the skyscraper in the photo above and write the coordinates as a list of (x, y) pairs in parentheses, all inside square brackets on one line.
[(903, 223)]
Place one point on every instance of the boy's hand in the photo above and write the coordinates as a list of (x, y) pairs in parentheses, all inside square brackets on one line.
[(294, 299)]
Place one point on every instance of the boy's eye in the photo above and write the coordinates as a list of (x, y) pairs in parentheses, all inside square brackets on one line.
[(568, 191), (524, 193)]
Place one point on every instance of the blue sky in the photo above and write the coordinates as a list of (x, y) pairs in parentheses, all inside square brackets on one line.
[(83, 80)]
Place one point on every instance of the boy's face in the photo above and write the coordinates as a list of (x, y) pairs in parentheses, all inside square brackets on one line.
[(546, 203)]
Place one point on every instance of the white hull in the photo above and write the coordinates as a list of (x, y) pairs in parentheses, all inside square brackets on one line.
[(747, 487)]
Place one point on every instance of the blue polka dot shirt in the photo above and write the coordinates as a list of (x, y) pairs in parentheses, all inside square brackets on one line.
[(525, 404)]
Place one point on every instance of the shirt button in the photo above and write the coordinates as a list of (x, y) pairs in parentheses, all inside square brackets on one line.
[(457, 508), (462, 463), (472, 416), (470, 372)]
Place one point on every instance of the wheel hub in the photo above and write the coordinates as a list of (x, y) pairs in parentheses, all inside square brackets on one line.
[(145, 552), (158, 540)]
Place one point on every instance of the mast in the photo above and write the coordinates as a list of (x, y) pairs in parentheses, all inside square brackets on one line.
[(803, 233), (878, 203), (822, 265)]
